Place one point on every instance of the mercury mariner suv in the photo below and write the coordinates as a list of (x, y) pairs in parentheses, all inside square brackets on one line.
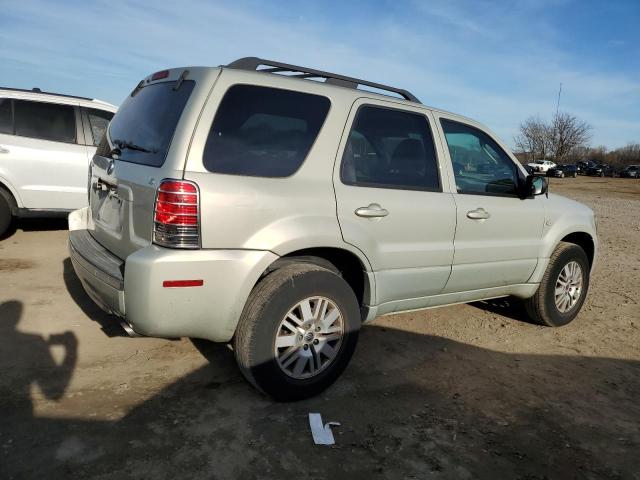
[(278, 208)]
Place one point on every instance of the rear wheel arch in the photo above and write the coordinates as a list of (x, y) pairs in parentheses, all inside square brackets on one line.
[(341, 261)]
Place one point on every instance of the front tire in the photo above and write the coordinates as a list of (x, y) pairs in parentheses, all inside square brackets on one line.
[(563, 288), (5, 214), (297, 332)]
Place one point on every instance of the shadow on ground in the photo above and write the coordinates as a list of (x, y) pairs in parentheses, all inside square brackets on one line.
[(411, 406), (509, 307), (35, 224)]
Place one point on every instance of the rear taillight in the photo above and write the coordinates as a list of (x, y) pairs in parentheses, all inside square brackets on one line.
[(176, 215)]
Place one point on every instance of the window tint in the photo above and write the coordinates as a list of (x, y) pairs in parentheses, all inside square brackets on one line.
[(145, 123), (265, 132), (6, 116), (98, 122), (46, 121), (390, 149), (480, 165)]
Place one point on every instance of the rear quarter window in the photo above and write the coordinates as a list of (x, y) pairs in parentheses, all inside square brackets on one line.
[(263, 132), (98, 123)]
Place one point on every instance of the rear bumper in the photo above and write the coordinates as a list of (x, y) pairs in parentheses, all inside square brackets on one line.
[(209, 311), (100, 272)]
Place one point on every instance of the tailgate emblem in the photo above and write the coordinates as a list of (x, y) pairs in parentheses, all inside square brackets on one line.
[(110, 168)]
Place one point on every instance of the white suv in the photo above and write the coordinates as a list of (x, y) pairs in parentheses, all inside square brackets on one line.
[(542, 166), (46, 143), (254, 205)]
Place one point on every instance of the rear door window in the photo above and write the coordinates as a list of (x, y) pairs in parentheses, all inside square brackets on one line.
[(6, 116), (45, 121), (98, 123), (144, 125), (264, 132), (389, 148)]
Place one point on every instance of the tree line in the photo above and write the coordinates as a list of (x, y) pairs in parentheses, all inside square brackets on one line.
[(565, 139)]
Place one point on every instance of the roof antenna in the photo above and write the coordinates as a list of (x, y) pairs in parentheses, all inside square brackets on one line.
[(558, 104)]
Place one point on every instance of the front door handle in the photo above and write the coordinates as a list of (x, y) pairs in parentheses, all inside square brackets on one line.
[(372, 211), (478, 214), (3, 149)]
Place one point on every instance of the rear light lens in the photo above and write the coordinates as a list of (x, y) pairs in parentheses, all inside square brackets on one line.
[(160, 75), (176, 215)]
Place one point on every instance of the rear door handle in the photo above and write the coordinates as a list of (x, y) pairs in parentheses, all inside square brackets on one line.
[(478, 214), (4, 150), (372, 211)]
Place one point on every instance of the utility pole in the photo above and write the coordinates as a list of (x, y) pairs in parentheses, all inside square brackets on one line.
[(558, 104)]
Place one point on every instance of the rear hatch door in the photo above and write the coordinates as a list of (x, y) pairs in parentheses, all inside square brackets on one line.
[(146, 141)]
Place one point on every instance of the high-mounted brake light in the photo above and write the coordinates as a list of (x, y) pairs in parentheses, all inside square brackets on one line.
[(176, 215), (160, 75)]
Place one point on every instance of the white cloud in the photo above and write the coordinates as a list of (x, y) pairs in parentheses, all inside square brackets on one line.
[(493, 62)]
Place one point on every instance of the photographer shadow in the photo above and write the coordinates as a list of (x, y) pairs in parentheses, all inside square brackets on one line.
[(51, 377)]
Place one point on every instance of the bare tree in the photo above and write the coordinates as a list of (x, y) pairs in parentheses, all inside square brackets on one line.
[(563, 138), (533, 138), (568, 133)]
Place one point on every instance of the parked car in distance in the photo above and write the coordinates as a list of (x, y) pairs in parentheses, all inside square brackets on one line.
[(630, 171), (46, 143), (601, 170), (279, 213), (541, 166), (583, 166), (561, 171)]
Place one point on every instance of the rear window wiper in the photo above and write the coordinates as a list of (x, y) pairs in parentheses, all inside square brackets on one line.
[(124, 145)]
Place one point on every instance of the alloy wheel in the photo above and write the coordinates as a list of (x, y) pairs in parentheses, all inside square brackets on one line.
[(568, 287), (309, 337)]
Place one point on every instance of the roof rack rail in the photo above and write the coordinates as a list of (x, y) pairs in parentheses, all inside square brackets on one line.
[(253, 63), (37, 90)]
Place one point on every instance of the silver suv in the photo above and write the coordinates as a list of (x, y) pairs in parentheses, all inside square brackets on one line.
[(278, 208), (46, 143)]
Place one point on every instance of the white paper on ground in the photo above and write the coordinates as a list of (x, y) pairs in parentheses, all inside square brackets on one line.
[(322, 434)]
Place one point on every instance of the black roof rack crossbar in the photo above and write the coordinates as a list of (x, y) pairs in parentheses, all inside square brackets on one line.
[(254, 63), (37, 90)]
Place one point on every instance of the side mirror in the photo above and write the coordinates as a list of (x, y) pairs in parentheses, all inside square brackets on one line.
[(534, 185)]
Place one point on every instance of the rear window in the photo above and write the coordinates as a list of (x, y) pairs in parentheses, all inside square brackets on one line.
[(45, 121), (263, 132), (144, 125)]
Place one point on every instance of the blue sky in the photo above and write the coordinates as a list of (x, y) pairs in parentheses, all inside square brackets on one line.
[(497, 62)]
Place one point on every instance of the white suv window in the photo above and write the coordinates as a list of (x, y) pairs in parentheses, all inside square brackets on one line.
[(98, 122), (480, 166), (45, 121), (6, 116)]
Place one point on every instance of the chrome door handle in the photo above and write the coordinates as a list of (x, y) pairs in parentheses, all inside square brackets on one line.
[(372, 211), (478, 214), (4, 150)]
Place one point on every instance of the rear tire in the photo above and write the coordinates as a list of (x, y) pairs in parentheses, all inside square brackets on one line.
[(5, 214), (314, 347), (563, 288)]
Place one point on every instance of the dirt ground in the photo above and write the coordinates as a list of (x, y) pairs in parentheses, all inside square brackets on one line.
[(463, 392)]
